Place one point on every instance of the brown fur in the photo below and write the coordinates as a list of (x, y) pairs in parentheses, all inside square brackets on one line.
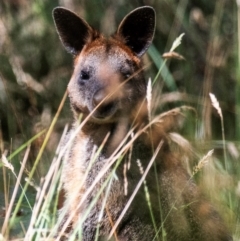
[(107, 92)]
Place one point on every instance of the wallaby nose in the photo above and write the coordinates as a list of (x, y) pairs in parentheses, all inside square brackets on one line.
[(106, 105), (98, 97)]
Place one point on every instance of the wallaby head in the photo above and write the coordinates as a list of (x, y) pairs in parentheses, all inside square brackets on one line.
[(107, 75)]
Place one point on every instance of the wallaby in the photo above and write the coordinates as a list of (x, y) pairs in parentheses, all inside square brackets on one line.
[(121, 179)]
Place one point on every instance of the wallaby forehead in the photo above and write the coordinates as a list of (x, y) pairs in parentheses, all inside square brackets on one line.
[(108, 53)]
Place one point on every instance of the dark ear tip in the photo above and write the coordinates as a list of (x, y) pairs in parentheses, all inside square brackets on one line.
[(57, 11), (150, 9)]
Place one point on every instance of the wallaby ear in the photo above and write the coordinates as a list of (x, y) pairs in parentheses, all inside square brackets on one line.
[(137, 29), (73, 30)]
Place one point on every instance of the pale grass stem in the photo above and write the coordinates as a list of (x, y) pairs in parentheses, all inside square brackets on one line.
[(216, 105), (93, 158), (180, 141), (43, 193), (125, 169), (149, 98), (175, 44), (135, 190), (49, 132), (202, 162), (8, 165), (16, 187), (91, 205), (104, 206), (25, 145), (147, 196)]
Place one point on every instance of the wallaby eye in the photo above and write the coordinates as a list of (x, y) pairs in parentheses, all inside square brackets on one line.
[(84, 75), (126, 74), (127, 69)]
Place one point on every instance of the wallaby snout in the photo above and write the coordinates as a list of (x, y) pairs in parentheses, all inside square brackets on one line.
[(99, 87), (106, 104), (108, 93)]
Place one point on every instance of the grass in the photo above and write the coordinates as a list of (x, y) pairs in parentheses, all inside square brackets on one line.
[(43, 224), (217, 173)]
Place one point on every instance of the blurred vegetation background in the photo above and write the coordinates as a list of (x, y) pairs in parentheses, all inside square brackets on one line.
[(35, 68)]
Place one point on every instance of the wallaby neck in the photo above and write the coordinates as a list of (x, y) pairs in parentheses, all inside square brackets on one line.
[(110, 133)]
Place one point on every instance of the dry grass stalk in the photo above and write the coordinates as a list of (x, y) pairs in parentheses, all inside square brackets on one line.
[(135, 190), (44, 191), (177, 42), (125, 179), (173, 55), (202, 162), (215, 104), (10, 167), (180, 141), (149, 98)]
